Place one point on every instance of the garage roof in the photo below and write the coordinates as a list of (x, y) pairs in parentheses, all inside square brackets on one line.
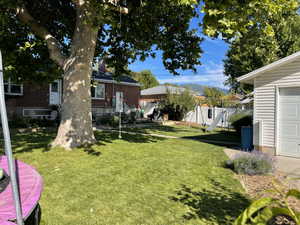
[(249, 77)]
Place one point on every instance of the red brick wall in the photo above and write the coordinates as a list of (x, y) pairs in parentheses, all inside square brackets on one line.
[(37, 96), (131, 95)]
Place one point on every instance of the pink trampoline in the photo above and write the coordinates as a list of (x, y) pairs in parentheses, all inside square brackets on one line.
[(30, 189)]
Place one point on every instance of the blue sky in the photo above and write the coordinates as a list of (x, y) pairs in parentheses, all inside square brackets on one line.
[(209, 73)]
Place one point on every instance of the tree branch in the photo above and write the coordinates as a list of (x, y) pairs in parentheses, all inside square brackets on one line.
[(52, 43), (114, 4)]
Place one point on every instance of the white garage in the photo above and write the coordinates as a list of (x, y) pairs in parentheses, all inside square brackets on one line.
[(277, 106)]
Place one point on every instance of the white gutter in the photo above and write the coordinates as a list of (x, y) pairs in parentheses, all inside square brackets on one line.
[(116, 82)]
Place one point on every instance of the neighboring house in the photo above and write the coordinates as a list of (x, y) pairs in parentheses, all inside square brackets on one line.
[(37, 101), (157, 93), (277, 106)]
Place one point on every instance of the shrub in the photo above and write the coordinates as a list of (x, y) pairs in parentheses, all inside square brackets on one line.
[(108, 120), (241, 119), (22, 122), (254, 163)]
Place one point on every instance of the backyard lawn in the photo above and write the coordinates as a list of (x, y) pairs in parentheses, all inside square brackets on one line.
[(189, 132), (136, 180)]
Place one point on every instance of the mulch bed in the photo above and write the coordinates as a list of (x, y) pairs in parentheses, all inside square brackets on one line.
[(257, 186)]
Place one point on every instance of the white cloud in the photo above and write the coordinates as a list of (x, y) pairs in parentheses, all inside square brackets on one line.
[(212, 75)]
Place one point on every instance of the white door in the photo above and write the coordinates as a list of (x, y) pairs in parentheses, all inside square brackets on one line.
[(55, 93), (289, 122)]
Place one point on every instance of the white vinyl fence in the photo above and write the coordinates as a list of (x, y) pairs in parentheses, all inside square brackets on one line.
[(205, 115)]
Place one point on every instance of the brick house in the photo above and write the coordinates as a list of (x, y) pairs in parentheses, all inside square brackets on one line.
[(37, 101)]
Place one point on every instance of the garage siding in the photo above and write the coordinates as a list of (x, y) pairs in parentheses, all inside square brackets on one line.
[(265, 99)]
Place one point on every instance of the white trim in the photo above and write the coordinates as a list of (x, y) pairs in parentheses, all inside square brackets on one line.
[(116, 82), (9, 83), (277, 107), (277, 96), (95, 98), (248, 78), (35, 109), (59, 90)]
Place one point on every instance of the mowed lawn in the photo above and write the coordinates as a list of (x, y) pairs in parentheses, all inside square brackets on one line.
[(136, 180), (189, 132)]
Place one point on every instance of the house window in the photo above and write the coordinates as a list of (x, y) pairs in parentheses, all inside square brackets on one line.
[(11, 88), (98, 91)]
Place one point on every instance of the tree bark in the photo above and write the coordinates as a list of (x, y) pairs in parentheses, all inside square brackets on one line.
[(75, 128)]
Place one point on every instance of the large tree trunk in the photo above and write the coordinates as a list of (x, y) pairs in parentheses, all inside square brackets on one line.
[(75, 128)]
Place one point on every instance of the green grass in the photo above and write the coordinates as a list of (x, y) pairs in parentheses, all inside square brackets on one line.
[(189, 132), (136, 180)]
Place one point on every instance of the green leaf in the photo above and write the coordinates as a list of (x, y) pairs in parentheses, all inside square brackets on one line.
[(293, 192), (252, 209)]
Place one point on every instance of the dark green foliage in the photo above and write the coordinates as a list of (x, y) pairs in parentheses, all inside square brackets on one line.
[(25, 122), (254, 50), (108, 120), (122, 38), (254, 163), (213, 96), (145, 78), (177, 105), (241, 119)]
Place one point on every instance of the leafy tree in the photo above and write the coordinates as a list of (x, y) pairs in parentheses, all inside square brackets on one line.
[(236, 17), (254, 49), (44, 38), (213, 96), (177, 105), (145, 78)]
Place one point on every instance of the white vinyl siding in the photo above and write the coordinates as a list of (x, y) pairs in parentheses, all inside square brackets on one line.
[(265, 98)]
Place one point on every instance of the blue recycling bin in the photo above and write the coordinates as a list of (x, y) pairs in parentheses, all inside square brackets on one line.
[(247, 138)]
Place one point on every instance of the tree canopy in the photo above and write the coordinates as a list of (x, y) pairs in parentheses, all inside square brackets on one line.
[(177, 105), (122, 37), (145, 78), (213, 96), (254, 49)]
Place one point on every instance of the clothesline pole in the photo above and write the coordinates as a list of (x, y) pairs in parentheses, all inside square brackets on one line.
[(8, 150)]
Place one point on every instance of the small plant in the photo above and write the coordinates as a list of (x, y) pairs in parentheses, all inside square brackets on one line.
[(267, 210), (241, 119), (254, 163)]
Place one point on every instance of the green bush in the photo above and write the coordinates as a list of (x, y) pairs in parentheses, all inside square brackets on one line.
[(239, 120), (254, 163), (25, 122), (108, 120)]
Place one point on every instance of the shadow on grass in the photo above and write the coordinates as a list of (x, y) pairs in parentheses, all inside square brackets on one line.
[(31, 141), (109, 137), (221, 138), (220, 205), (157, 128), (27, 142)]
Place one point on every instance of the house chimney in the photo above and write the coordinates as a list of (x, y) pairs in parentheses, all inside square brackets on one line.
[(102, 66)]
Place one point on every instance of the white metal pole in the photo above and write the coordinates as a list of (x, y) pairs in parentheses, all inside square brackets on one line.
[(8, 150), (120, 125)]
